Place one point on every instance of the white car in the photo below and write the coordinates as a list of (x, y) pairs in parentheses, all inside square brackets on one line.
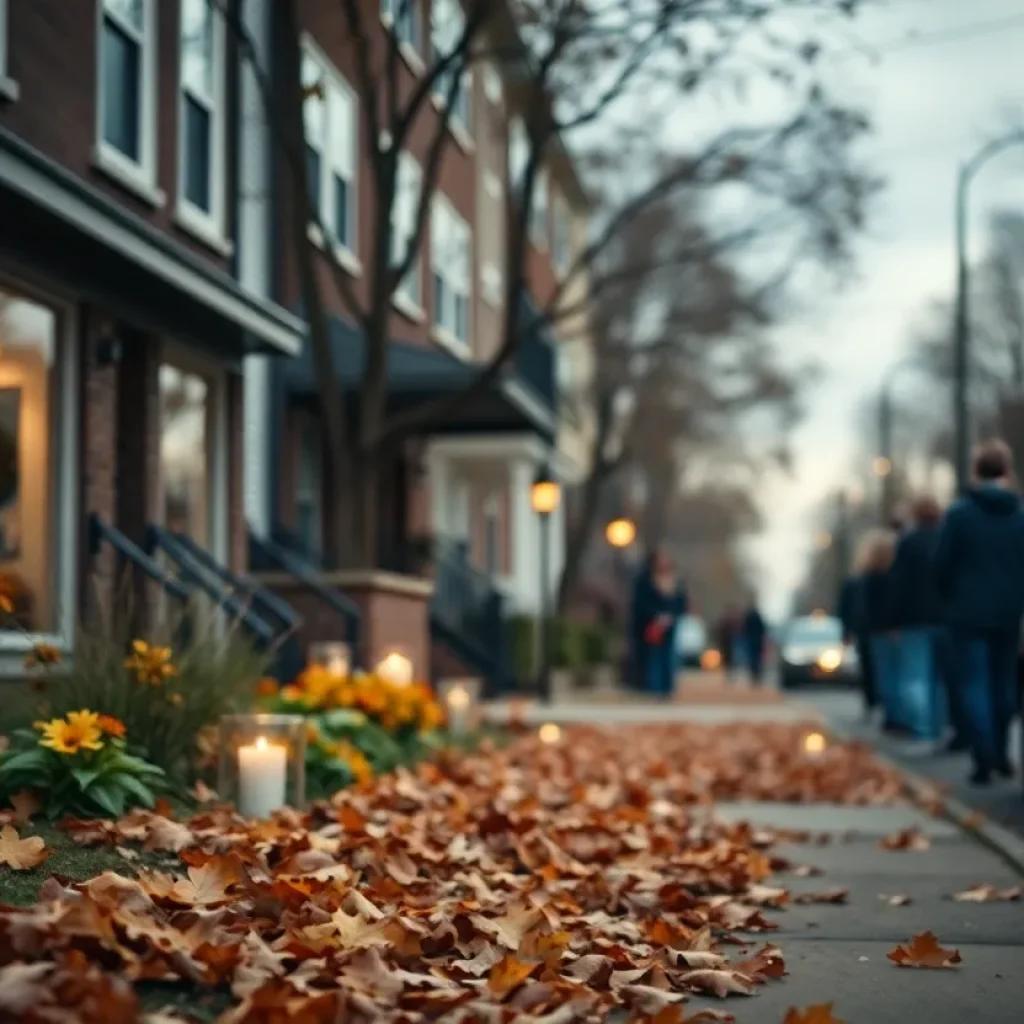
[(812, 650)]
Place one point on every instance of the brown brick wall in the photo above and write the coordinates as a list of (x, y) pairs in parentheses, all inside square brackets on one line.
[(52, 47)]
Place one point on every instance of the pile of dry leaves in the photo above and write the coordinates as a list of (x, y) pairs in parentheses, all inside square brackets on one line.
[(543, 882)]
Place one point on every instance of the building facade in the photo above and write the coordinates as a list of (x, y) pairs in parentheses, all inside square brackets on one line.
[(123, 324)]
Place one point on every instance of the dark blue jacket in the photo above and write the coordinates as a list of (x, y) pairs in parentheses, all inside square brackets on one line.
[(878, 617), (914, 598), (979, 559), (851, 607), (754, 628), (649, 602)]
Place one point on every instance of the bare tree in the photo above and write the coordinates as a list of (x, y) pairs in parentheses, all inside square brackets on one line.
[(572, 67)]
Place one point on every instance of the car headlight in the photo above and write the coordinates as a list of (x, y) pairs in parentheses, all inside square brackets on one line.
[(830, 660)]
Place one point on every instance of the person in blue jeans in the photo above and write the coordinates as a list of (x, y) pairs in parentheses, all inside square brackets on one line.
[(979, 566), (916, 612), (659, 602)]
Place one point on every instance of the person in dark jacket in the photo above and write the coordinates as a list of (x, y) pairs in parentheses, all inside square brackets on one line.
[(659, 602), (875, 560), (752, 636), (979, 566), (727, 637), (916, 611), (855, 633)]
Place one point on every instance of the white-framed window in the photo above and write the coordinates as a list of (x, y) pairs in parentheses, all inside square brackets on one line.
[(447, 24), (561, 242), (539, 210), (405, 19), (332, 145), (8, 87), (518, 151), (450, 260), (39, 427), (201, 136), (127, 102), (408, 188)]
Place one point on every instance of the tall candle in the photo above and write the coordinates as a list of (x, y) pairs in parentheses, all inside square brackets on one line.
[(458, 701), (337, 664), (396, 669), (262, 778)]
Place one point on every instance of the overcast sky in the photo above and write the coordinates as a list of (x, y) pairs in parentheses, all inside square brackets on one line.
[(933, 102)]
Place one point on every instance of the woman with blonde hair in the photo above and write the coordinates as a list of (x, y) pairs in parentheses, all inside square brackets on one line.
[(874, 560)]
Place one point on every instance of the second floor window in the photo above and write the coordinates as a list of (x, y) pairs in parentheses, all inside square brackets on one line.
[(202, 104), (127, 86), (403, 225), (331, 146), (403, 17), (450, 260), (447, 25)]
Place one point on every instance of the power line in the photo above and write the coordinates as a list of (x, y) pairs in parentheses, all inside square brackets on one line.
[(954, 35)]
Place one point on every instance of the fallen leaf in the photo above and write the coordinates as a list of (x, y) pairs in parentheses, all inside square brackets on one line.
[(907, 839), (989, 894), (836, 895), (819, 1014), (508, 974), (897, 900), (924, 951), (21, 987), (21, 854), (25, 806), (722, 982)]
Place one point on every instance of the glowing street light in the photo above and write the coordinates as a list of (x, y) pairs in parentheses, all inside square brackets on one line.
[(621, 532)]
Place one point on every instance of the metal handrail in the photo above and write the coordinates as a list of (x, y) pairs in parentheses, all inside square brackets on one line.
[(100, 532), (157, 537)]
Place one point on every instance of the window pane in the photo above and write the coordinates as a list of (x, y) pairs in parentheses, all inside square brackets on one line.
[(28, 453), (461, 326), (129, 12), (184, 410), (440, 300), (313, 107), (408, 23), (342, 220), (341, 131), (197, 46), (197, 156), (122, 86), (313, 179)]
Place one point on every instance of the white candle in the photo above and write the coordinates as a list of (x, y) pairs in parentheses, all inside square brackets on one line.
[(458, 701), (337, 664), (396, 669), (262, 778)]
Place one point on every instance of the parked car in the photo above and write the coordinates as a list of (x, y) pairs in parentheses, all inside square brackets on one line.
[(812, 650), (691, 641)]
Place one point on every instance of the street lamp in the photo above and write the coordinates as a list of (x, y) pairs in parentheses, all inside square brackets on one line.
[(545, 496), (620, 533), (961, 323)]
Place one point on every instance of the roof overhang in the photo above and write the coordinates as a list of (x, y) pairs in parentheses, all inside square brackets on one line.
[(64, 228)]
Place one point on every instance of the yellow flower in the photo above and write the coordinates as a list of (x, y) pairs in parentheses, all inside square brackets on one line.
[(431, 716), (150, 664), (318, 686), (291, 693), (355, 759), (111, 726), (79, 731), (6, 604), (175, 700), (42, 654)]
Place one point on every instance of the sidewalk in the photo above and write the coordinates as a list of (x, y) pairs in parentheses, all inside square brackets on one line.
[(837, 953)]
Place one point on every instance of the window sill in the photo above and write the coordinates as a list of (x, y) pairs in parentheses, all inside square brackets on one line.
[(9, 89), (128, 177), (202, 229), (408, 308), (347, 259), (448, 341)]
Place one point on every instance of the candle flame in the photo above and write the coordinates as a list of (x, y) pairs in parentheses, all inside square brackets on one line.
[(549, 733), (458, 697), (261, 743), (814, 743)]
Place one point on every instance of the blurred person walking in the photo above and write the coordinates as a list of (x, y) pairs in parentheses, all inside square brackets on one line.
[(851, 613), (727, 635), (979, 565), (916, 611), (875, 560), (659, 602), (752, 636)]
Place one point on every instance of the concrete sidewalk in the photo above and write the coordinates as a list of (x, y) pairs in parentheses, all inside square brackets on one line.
[(837, 953)]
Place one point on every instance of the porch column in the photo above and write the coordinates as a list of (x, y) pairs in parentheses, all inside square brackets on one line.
[(525, 534), (439, 478)]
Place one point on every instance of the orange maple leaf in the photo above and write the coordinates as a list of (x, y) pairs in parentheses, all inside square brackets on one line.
[(21, 854), (924, 951), (821, 1013), (508, 974)]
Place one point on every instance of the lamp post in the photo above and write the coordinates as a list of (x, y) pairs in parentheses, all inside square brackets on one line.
[(883, 463), (620, 534), (545, 496), (961, 322)]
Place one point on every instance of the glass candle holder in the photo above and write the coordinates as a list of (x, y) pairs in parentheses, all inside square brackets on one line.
[(334, 655), (262, 763), (460, 698), (395, 668)]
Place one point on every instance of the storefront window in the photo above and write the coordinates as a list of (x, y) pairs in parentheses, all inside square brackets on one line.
[(30, 464), (184, 452)]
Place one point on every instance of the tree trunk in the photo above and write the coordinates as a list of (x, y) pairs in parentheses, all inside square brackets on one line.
[(579, 535)]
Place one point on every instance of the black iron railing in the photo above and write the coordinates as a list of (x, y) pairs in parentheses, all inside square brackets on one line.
[(283, 552)]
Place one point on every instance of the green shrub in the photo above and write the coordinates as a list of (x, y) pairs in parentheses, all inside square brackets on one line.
[(165, 697), (568, 649), (597, 646), (524, 648)]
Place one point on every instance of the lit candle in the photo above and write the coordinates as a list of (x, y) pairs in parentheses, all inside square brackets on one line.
[(396, 669), (458, 701), (337, 660), (262, 778), (814, 744)]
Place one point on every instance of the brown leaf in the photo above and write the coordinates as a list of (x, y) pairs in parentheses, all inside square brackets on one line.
[(836, 895), (924, 951), (722, 982), (508, 974), (21, 854), (23, 986), (907, 839), (819, 1014), (25, 806), (898, 900), (983, 893)]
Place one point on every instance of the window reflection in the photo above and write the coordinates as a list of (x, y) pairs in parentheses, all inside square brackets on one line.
[(184, 455), (28, 338)]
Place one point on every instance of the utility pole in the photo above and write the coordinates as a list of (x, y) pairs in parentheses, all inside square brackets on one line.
[(884, 467)]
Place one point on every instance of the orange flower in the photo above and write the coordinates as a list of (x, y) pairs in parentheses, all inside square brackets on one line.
[(267, 688), (150, 664), (111, 726), (42, 654)]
